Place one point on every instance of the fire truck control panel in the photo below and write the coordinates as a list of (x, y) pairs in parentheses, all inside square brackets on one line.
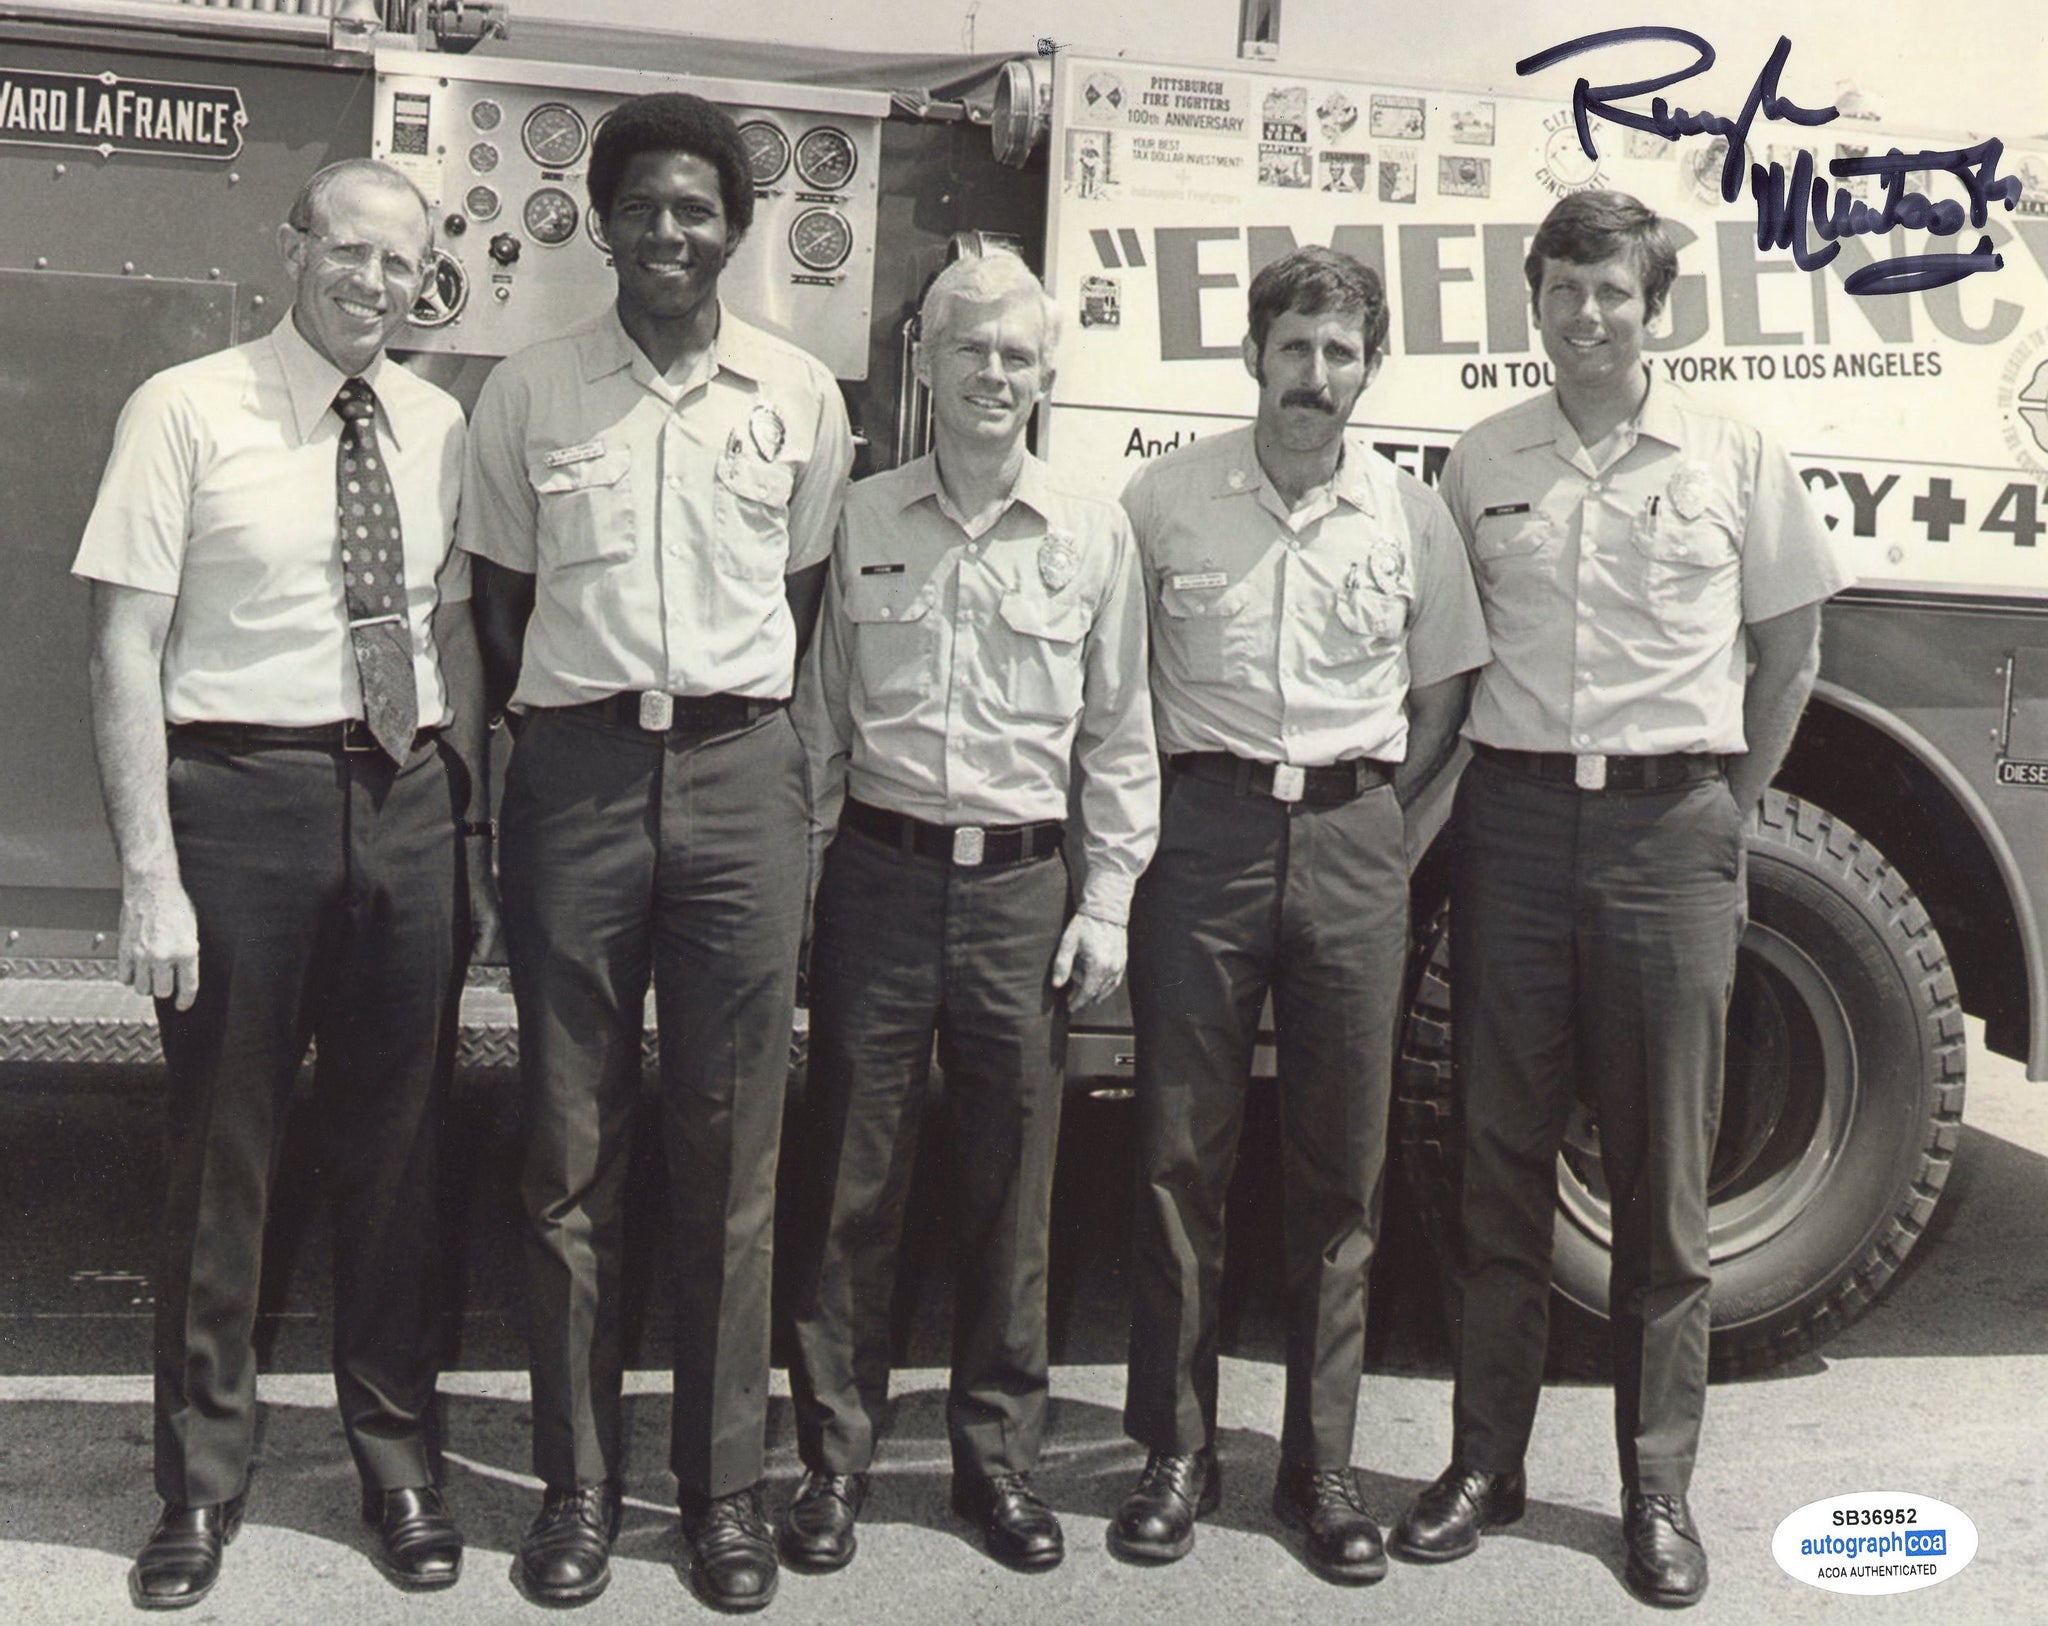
[(501, 149)]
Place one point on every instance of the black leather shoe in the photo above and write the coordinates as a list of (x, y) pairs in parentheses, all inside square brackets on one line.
[(734, 1564), (817, 1531), (1446, 1517), (181, 1560), (1343, 1542), (419, 1547), (1016, 1526), (1156, 1524), (565, 1555), (1667, 1565)]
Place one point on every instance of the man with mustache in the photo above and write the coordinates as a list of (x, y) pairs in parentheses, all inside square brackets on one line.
[(651, 500), (1314, 627)]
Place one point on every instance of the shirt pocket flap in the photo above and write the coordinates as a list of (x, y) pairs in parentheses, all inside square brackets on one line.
[(1061, 622), (607, 468), (1203, 603), (768, 483), (889, 601), (1673, 540), (1505, 536)]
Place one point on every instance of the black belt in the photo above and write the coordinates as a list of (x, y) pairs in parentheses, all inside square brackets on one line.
[(967, 845), (1325, 786), (352, 735), (1672, 771), (658, 713)]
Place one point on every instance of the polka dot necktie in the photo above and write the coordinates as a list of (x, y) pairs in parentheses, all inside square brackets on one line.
[(373, 574)]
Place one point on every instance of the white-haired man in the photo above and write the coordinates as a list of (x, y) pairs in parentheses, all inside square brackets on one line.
[(982, 642)]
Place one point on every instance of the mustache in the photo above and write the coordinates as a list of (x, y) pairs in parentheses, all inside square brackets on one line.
[(1317, 400)]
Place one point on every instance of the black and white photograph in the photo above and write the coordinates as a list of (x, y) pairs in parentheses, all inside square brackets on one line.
[(910, 812)]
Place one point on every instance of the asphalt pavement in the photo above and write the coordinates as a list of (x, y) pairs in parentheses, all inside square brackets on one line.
[(1935, 1393)]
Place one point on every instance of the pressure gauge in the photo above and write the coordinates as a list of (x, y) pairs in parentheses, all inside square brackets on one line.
[(551, 216), (767, 151), (481, 203), (825, 159), (554, 134), (821, 239), (486, 114), (444, 294), (483, 158)]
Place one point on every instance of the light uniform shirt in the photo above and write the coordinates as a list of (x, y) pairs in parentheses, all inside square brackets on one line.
[(220, 492), (1616, 595), (959, 676), (1295, 637), (658, 515)]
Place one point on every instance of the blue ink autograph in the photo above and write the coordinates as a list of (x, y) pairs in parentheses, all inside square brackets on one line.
[(1788, 209)]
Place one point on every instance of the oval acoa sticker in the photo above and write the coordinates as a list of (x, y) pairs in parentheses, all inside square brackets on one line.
[(1874, 1542)]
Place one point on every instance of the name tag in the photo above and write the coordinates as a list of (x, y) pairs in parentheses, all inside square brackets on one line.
[(1195, 583), (564, 456), (881, 570), (1501, 508)]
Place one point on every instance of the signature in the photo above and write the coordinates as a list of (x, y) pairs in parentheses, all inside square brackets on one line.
[(1792, 210)]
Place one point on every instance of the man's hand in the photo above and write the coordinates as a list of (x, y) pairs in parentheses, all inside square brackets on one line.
[(1091, 952), (486, 924), (159, 952)]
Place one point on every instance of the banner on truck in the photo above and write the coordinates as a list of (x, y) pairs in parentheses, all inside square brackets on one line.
[(1918, 419)]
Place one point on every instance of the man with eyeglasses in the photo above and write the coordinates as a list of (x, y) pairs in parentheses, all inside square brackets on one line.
[(650, 500), (287, 712)]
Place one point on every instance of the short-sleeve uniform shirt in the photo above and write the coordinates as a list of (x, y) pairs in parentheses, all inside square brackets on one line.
[(658, 515), (1616, 596), (963, 675), (220, 492), (1294, 637)]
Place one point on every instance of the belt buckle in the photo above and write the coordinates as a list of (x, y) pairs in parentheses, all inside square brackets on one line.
[(657, 711), (356, 736), (1589, 772), (969, 842), (1289, 782)]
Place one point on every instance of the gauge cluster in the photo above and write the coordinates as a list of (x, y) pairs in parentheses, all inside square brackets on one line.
[(503, 157)]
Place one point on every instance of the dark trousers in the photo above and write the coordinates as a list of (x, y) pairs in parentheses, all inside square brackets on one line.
[(1593, 950), (906, 948), (681, 857), (328, 894), (1247, 895)]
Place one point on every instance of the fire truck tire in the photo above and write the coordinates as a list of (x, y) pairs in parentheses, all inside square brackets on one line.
[(1840, 1116)]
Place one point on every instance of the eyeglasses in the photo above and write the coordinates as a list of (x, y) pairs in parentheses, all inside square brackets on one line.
[(396, 269)]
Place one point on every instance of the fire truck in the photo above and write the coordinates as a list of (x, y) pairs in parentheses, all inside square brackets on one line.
[(1898, 871)]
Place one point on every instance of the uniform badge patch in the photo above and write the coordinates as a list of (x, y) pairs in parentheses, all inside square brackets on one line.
[(1057, 561), (766, 428), (1688, 490), (1388, 563)]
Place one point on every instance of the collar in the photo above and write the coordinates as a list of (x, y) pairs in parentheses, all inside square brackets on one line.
[(1241, 472), (920, 481), (1353, 480), (737, 348), (311, 380), (1656, 415)]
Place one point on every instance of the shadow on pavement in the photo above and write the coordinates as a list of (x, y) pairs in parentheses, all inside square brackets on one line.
[(303, 1481)]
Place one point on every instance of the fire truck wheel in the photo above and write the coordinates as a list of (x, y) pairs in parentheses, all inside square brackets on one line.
[(1841, 1112)]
